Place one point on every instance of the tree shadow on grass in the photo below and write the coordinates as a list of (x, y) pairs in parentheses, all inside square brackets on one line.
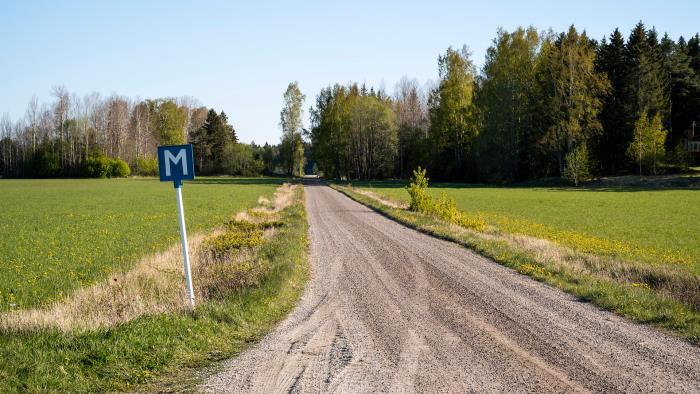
[(238, 181), (643, 184)]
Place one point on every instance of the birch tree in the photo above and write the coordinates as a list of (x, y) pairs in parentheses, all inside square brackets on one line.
[(291, 124)]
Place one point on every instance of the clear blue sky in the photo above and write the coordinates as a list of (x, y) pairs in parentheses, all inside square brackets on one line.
[(240, 56)]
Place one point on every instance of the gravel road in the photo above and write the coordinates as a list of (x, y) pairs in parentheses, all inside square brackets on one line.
[(389, 309)]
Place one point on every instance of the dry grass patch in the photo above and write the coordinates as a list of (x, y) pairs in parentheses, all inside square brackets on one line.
[(385, 201), (154, 285)]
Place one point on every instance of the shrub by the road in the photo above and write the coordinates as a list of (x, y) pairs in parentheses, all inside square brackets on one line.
[(417, 189), (443, 208)]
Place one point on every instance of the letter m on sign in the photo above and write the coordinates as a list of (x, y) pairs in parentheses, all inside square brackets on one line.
[(175, 162)]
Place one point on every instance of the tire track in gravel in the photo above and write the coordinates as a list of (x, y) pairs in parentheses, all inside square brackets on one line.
[(389, 309)]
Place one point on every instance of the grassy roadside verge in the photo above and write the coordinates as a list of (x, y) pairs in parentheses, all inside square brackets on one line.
[(147, 352), (636, 301)]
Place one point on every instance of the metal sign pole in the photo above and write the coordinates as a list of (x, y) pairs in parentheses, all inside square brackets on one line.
[(175, 163), (183, 239)]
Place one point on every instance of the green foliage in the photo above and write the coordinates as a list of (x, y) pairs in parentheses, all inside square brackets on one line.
[(453, 116), (57, 235), (105, 167), (240, 234), (119, 168), (412, 121), (647, 81), (168, 122), (97, 167), (235, 239), (417, 189), (239, 159), (647, 146), (371, 137), (354, 133), (574, 99), (298, 157), (290, 122), (506, 101), (443, 207), (327, 131), (681, 157), (609, 147), (215, 146), (577, 165), (45, 163), (146, 167)]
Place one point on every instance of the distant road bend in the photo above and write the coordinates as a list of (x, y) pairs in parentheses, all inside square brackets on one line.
[(392, 310)]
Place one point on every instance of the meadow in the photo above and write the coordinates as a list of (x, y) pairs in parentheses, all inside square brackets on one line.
[(651, 225), (57, 235), (165, 350)]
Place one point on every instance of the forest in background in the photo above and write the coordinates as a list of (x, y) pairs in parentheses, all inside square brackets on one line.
[(544, 104), (86, 136)]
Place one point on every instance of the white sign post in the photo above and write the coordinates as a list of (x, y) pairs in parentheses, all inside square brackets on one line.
[(185, 249), (176, 163)]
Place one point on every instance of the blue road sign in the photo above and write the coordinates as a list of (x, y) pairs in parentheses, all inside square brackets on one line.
[(175, 163)]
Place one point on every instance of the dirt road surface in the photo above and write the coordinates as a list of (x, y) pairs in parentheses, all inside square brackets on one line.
[(391, 310)]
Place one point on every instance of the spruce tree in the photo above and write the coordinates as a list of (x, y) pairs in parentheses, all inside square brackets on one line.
[(610, 146), (646, 85), (683, 87), (219, 137)]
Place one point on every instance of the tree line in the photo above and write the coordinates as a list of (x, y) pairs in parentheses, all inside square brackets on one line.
[(543, 104), (83, 136)]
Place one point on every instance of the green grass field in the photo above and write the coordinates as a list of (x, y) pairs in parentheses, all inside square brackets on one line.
[(166, 352), (648, 225), (57, 235)]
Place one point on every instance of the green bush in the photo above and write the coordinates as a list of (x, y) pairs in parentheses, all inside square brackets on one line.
[(443, 208), (96, 167), (146, 167), (119, 168), (417, 189), (105, 167)]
